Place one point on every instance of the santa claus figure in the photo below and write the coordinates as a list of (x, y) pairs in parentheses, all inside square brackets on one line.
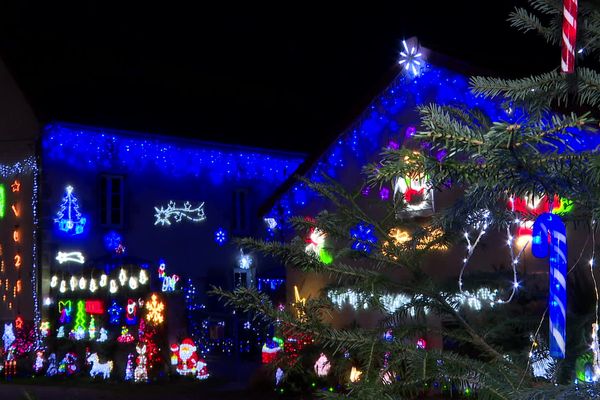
[(185, 357), (202, 369)]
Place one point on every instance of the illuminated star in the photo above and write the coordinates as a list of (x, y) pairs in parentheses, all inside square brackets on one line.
[(410, 59), (16, 186)]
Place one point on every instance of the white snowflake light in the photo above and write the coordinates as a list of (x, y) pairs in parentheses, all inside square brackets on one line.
[(410, 59)]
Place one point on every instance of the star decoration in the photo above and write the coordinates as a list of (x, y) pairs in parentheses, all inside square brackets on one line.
[(16, 186)]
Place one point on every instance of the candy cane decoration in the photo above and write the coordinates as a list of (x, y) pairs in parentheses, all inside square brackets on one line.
[(549, 235), (569, 35)]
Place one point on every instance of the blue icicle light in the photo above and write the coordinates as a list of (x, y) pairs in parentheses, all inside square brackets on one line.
[(551, 225)]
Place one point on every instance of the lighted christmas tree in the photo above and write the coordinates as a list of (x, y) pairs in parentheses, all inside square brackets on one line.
[(524, 176), (69, 219)]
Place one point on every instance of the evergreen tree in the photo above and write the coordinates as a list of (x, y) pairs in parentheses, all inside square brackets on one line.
[(539, 151)]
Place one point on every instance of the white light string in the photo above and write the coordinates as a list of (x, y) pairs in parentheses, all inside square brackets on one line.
[(482, 222)]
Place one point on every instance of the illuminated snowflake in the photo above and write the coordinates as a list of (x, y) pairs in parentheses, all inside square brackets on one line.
[(220, 236), (155, 310), (365, 237), (410, 59)]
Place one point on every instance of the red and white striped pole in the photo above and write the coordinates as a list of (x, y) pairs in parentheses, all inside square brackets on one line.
[(569, 35)]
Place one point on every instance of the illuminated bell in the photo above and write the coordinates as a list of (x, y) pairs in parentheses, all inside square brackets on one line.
[(113, 286), (82, 283), (54, 281), (103, 280)]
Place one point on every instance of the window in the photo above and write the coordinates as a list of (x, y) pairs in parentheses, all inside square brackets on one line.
[(240, 211), (111, 200)]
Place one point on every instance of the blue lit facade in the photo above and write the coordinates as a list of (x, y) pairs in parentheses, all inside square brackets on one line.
[(123, 180)]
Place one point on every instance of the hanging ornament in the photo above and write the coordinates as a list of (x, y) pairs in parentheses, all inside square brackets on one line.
[(270, 349), (322, 366), (355, 375), (569, 36), (550, 239)]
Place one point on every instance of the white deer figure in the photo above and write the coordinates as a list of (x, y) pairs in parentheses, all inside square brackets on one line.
[(99, 368)]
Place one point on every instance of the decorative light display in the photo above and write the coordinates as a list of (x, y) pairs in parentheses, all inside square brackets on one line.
[(421, 344), (80, 283), (129, 367), (270, 349), (316, 245), (123, 277), (45, 329), (163, 215), (15, 210), (299, 303), (69, 219), (364, 236), (140, 373), (125, 337), (220, 236), (8, 337), (103, 280), (80, 317), (410, 59), (131, 312), (542, 364), (569, 36), (103, 335), (278, 376), (417, 195), (535, 205), (355, 375), (52, 369), (73, 256), (39, 361), (551, 226), (77, 334), (112, 240), (272, 284), (245, 260), (155, 310), (64, 309), (595, 347), (68, 365), (483, 297), (184, 357), (271, 223), (60, 334), (480, 221), (98, 368), (19, 322), (15, 187), (2, 201), (168, 282), (92, 328), (322, 366), (102, 149)]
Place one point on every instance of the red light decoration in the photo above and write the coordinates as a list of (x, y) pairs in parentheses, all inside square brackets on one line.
[(131, 312), (94, 307), (422, 343), (16, 186), (19, 322)]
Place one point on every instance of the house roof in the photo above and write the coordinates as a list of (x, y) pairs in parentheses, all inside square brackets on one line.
[(89, 147), (395, 79)]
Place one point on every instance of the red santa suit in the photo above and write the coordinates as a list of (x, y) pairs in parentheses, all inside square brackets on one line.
[(185, 357)]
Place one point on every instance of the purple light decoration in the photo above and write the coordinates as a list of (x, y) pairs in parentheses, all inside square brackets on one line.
[(393, 145), (384, 193), (366, 190), (410, 131)]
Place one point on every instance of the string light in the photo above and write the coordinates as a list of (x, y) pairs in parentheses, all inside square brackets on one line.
[(73, 256), (480, 221), (2, 201), (73, 222), (163, 215)]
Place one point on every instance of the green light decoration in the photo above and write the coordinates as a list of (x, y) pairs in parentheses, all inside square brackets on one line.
[(2, 200), (80, 316), (584, 369), (92, 328), (565, 207), (325, 257)]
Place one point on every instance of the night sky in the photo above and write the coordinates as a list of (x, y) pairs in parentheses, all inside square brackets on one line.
[(291, 76)]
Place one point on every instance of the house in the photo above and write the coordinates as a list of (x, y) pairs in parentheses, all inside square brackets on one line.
[(390, 120), (100, 219)]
